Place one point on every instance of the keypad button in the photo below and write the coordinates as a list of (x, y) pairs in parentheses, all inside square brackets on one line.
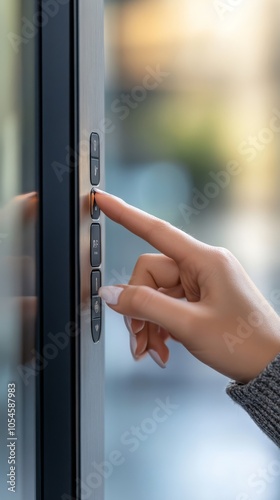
[(94, 171), (95, 282), (96, 329), (95, 243), (94, 208), (95, 307), (94, 146)]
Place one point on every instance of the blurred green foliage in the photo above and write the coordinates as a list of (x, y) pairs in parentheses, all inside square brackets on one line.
[(171, 127)]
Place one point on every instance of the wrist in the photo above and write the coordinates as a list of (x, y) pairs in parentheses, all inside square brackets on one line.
[(260, 360)]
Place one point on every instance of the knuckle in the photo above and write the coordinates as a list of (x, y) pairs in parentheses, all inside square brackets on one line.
[(143, 261), (224, 257)]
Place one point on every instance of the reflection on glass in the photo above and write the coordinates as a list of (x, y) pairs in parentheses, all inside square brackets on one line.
[(18, 217)]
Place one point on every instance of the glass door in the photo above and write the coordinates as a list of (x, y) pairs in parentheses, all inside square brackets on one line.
[(18, 264)]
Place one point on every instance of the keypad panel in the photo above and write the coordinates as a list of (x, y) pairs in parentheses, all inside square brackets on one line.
[(95, 239)]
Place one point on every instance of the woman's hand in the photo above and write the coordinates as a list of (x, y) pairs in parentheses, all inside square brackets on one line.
[(197, 294)]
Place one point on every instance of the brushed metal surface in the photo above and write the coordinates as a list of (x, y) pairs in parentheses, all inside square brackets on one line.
[(91, 116)]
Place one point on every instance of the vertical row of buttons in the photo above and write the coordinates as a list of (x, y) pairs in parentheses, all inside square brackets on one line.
[(95, 239), (94, 159)]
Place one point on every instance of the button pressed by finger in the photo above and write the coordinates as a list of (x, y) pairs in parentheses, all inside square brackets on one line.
[(161, 235)]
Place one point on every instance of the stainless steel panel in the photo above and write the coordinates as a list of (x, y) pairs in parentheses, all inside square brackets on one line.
[(91, 116)]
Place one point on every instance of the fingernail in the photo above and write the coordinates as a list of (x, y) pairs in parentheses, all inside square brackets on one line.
[(110, 294), (127, 321), (96, 190), (133, 344), (128, 324), (157, 359), (132, 337)]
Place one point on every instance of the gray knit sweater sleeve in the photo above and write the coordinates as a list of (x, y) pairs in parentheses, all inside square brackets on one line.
[(261, 399)]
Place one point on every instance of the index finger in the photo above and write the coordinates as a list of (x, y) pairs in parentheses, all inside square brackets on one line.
[(160, 234)]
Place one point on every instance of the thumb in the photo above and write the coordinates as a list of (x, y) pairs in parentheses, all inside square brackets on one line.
[(144, 303)]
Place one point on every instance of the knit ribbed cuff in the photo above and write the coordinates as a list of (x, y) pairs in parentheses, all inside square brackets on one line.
[(261, 399)]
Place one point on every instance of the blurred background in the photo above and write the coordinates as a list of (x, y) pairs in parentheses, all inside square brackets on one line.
[(193, 115)]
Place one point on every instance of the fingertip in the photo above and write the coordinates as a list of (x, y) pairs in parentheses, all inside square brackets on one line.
[(133, 345), (157, 359), (137, 335), (110, 294), (99, 191)]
